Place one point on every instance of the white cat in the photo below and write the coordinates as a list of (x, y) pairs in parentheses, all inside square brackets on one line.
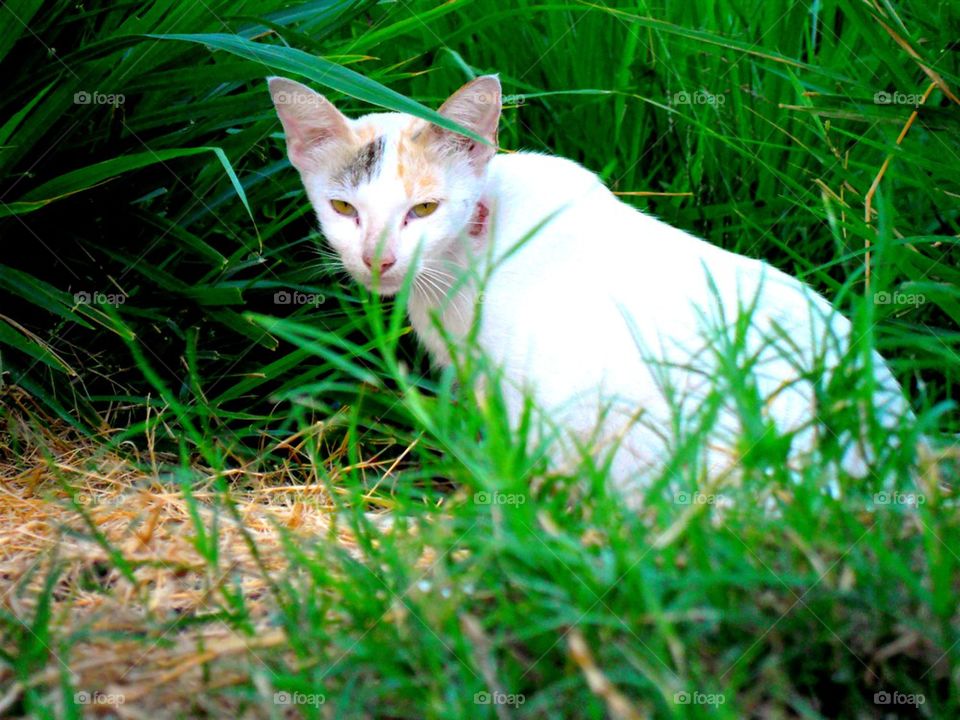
[(618, 324)]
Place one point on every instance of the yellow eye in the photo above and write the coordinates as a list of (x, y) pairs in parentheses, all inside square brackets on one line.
[(344, 208), (421, 210)]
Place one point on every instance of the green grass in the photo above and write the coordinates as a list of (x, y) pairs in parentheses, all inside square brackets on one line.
[(178, 203)]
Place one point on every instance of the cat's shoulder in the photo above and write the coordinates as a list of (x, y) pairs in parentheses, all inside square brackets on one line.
[(540, 170), (529, 162)]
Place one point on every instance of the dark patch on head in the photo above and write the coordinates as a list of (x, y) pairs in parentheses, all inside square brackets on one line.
[(364, 165)]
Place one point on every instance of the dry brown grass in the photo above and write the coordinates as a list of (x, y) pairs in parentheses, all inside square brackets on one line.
[(122, 635)]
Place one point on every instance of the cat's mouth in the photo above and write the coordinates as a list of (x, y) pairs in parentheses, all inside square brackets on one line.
[(389, 285)]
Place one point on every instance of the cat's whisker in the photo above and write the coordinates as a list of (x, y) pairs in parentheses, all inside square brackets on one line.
[(430, 288), (426, 289), (333, 259), (439, 286), (439, 273), (441, 289), (326, 264), (441, 278), (446, 300), (437, 269)]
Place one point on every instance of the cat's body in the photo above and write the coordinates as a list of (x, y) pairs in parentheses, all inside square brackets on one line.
[(601, 305), (598, 311)]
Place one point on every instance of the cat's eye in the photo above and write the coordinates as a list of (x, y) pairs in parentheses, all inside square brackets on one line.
[(422, 210), (343, 208)]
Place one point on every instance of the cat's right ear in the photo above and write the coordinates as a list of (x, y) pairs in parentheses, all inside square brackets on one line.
[(477, 107), (309, 120)]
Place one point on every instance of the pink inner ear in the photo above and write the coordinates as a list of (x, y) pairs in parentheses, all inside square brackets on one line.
[(475, 106), (301, 130), (298, 148), (312, 135), (307, 132)]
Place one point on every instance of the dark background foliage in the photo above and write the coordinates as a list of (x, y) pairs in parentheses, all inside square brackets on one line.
[(774, 153)]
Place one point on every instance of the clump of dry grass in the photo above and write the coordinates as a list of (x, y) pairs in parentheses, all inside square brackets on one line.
[(67, 506)]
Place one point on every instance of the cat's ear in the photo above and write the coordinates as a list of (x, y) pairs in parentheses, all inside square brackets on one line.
[(476, 106), (309, 120)]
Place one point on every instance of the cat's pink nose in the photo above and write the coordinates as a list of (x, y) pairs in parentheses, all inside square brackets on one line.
[(386, 262)]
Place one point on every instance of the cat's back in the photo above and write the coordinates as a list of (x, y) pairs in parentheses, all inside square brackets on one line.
[(574, 229), (578, 215)]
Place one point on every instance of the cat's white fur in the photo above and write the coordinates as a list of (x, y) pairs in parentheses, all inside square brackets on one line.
[(596, 312)]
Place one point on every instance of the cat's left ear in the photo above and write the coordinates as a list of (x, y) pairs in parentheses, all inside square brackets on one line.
[(310, 121), (476, 106)]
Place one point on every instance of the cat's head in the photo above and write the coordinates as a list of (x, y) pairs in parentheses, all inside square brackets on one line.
[(385, 183)]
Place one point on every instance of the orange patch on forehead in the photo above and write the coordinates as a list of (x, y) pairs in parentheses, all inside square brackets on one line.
[(365, 134), (417, 162)]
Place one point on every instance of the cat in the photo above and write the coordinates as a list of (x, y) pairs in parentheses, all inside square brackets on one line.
[(617, 324)]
